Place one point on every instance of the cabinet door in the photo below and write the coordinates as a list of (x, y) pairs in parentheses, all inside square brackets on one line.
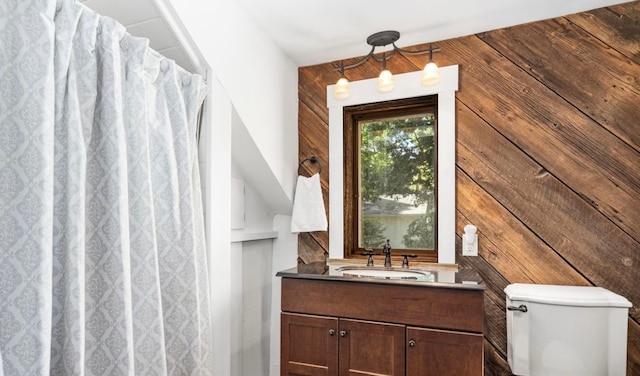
[(369, 348), (433, 352), (309, 345)]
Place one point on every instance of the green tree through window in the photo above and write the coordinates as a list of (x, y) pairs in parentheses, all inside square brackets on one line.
[(397, 181)]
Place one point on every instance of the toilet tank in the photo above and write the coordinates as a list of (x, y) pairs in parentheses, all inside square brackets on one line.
[(566, 330)]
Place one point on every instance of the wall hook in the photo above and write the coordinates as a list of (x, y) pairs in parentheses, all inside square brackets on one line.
[(313, 160)]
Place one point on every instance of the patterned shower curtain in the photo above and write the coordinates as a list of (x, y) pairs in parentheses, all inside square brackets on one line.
[(102, 253)]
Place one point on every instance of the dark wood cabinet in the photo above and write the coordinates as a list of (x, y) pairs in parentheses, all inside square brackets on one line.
[(309, 345), (443, 353), (350, 328), (370, 348), (316, 345)]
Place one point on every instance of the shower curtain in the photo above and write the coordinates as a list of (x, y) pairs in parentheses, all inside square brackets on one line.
[(102, 252)]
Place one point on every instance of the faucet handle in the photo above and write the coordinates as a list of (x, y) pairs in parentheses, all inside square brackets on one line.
[(405, 260), (369, 252)]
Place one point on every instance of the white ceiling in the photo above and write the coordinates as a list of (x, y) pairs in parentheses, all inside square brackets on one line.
[(143, 18), (318, 31)]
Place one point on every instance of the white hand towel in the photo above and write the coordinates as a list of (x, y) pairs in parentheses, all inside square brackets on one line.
[(308, 206)]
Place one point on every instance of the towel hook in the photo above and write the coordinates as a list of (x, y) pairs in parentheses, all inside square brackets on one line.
[(313, 160)]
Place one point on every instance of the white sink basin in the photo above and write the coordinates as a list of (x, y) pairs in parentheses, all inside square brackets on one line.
[(387, 273)]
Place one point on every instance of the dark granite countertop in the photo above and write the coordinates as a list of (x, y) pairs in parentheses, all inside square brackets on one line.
[(445, 277)]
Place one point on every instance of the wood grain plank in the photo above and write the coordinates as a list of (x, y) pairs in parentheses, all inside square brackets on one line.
[(633, 349), (617, 26), (312, 88), (566, 59), (309, 250), (555, 213), (494, 297), (586, 157), (313, 140), (494, 363), (506, 242)]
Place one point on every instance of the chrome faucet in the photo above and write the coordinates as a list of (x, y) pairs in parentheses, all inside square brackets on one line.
[(386, 249)]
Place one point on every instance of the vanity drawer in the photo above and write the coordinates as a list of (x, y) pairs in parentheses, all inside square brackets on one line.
[(428, 306)]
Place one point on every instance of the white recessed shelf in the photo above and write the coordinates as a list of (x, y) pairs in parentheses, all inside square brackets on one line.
[(243, 236)]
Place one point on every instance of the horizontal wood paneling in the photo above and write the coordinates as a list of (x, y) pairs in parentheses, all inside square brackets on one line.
[(547, 158)]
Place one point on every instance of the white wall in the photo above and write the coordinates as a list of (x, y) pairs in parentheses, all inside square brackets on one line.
[(242, 271), (217, 226), (257, 275), (255, 291), (251, 278), (253, 119), (260, 80), (285, 256)]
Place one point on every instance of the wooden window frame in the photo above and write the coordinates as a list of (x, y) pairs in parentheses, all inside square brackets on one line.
[(354, 114)]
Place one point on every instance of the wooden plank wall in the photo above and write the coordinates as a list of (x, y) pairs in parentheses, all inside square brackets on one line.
[(547, 158)]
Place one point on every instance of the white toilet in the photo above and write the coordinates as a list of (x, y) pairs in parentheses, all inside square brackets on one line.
[(566, 330)]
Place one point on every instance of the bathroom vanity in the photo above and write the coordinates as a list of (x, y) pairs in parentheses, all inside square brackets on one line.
[(337, 322)]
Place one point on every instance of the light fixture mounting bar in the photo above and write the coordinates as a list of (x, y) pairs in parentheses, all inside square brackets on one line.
[(385, 82), (381, 39), (417, 52)]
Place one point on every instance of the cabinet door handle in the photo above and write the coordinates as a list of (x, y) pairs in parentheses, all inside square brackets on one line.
[(343, 333), (332, 332), (412, 343)]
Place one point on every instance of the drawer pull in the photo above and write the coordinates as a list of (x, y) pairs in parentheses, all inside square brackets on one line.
[(332, 332), (343, 333), (412, 343)]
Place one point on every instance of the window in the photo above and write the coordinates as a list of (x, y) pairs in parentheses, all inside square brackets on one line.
[(364, 92), (390, 177)]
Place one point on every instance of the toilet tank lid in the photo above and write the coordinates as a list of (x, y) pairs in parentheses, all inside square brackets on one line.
[(581, 296)]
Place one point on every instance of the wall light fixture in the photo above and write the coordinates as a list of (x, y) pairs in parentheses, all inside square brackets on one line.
[(430, 75)]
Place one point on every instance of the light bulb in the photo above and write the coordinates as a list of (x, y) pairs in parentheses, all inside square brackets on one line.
[(386, 82), (430, 74), (342, 89)]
